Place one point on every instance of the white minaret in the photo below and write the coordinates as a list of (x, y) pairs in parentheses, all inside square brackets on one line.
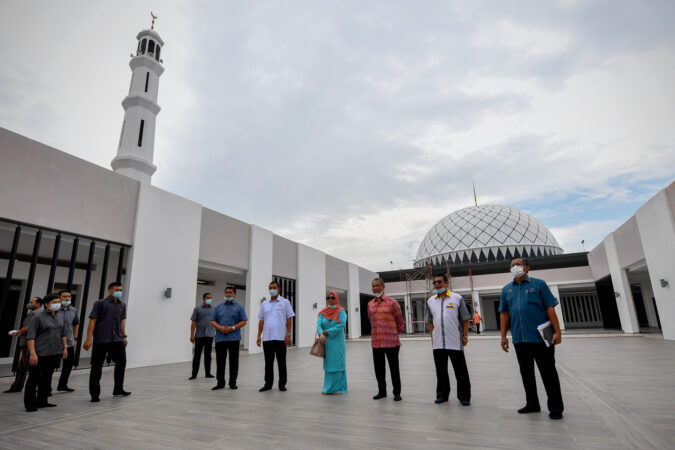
[(137, 139)]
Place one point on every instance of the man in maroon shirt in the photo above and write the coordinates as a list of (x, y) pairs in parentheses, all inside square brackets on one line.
[(386, 321)]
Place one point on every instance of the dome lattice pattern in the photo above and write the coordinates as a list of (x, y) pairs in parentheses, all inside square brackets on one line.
[(485, 233)]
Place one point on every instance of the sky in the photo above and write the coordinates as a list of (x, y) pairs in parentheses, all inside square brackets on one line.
[(353, 127)]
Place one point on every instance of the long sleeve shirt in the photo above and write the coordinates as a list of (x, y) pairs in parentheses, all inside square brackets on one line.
[(386, 322)]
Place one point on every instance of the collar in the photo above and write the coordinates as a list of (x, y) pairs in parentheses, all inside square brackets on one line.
[(230, 302), (447, 294), (276, 299), (525, 280), (205, 306), (380, 299)]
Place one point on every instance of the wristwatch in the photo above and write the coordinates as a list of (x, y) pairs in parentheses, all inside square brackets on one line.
[(288, 334)]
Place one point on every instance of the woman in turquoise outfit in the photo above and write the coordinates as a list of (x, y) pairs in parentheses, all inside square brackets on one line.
[(331, 329)]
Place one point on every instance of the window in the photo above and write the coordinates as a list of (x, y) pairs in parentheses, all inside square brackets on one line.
[(151, 47), (147, 79), (143, 45), (157, 54), (140, 134)]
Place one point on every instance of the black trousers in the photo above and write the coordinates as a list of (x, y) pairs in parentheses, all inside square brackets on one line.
[(529, 353), (477, 328), (66, 368), (21, 371), (391, 354), (461, 374), (202, 343), (40, 378), (274, 349), (118, 353), (222, 349)]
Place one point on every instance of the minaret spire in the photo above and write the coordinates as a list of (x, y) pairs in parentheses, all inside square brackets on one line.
[(136, 148), (475, 199)]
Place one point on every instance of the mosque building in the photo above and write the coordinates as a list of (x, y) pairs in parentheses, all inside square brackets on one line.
[(66, 223)]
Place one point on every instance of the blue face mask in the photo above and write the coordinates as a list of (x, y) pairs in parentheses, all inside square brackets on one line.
[(207, 301), (273, 292), (439, 291), (67, 303), (229, 299), (117, 295), (55, 306)]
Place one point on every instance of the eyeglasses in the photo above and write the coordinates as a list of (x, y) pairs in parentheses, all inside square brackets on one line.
[(438, 282), (330, 298)]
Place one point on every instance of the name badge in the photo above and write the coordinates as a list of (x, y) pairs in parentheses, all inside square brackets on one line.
[(510, 291), (450, 306), (529, 291)]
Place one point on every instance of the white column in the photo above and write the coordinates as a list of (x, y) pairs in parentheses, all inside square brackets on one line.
[(558, 307), (408, 313), (258, 277), (622, 292), (657, 232), (354, 302), (310, 289)]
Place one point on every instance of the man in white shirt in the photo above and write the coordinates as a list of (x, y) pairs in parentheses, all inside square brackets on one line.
[(448, 319), (274, 331)]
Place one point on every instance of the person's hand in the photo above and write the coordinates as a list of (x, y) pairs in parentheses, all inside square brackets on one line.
[(125, 342), (465, 340), (258, 342), (325, 332), (322, 338), (192, 339), (505, 344), (288, 340), (33, 360), (65, 353), (13, 333), (557, 338), (87, 344)]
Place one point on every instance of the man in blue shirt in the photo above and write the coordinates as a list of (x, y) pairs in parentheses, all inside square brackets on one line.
[(201, 334), (527, 303), (228, 319)]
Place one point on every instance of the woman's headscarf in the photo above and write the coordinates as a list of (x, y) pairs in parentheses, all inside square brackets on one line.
[(332, 313)]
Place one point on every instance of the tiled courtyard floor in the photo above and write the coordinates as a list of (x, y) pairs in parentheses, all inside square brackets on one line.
[(619, 392)]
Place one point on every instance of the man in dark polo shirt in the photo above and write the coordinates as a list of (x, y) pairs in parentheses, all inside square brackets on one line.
[(72, 327), (46, 341), (34, 307), (201, 334), (106, 331)]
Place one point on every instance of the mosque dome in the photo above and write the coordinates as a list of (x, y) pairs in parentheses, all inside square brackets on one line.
[(485, 233)]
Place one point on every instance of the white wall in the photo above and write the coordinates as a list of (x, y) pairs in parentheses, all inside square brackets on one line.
[(353, 302), (165, 254), (258, 277), (657, 232), (311, 288), (624, 298)]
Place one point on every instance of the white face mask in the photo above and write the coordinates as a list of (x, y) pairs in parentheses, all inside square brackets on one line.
[(517, 271), (379, 294), (55, 306)]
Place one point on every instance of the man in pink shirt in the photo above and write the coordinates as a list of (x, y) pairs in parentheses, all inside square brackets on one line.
[(386, 322)]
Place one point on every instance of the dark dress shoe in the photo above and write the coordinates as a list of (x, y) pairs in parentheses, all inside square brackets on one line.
[(95, 399), (397, 398), (465, 402), (31, 409), (264, 388), (8, 391), (379, 396), (529, 409), (283, 389), (555, 415), (121, 393), (65, 389), (209, 376), (217, 386), (46, 405), (234, 386), (192, 377), (440, 400)]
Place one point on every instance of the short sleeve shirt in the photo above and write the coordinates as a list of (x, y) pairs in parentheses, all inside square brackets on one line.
[(109, 316), (448, 315), (26, 324), (526, 302), (275, 313), (229, 314), (386, 322), (202, 315), (71, 318), (47, 329)]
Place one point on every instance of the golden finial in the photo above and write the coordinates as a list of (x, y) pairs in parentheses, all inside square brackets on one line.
[(154, 17)]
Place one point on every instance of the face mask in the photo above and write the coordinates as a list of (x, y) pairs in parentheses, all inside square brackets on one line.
[(439, 291), (207, 301), (65, 303), (117, 295), (229, 299), (517, 271), (55, 306), (379, 294), (273, 292), (332, 307)]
